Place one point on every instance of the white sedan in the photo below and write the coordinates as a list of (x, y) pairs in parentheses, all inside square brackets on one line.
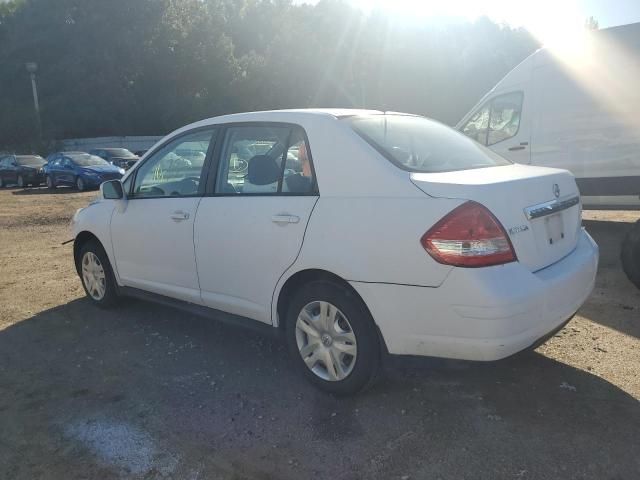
[(354, 233)]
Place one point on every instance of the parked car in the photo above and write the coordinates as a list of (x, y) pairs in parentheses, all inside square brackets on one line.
[(21, 170), (120, 157), (395, 234), (575, 110), (80, 170)]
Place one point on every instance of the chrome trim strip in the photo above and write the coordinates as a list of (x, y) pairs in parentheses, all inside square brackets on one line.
[(553, 206)]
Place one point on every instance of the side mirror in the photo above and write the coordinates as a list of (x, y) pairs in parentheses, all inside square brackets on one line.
[(112, 190)]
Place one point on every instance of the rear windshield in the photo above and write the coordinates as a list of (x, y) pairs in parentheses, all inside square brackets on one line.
[(31, 161), (86, 160), (118, 152), (418, 144)]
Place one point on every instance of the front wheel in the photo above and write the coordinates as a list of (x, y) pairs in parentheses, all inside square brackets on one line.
[(50, 183), (630, 254), (332, 338), (96, 275), (21, 183), (80, 184)]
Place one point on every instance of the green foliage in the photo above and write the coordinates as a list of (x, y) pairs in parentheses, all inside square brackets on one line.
[(123, 67)]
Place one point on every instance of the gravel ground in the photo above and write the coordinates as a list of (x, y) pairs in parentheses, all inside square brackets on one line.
[(145, 392)]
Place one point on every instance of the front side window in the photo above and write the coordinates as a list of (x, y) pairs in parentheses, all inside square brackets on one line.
[(478, 125), (496, 120), (263, 160), (505, 117), (176, 169), (418, 144)]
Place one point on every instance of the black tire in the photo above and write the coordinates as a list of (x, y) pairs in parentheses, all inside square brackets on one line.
[(50, 183), (1, 183), (630, 254), (20, 182), (110, 297), (367, 360), (80, 185)]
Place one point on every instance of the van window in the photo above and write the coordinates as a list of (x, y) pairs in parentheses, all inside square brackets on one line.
[(478, 124), (504, 121), (496, 120)]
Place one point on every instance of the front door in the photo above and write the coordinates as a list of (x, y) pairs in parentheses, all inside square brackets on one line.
[(152, 233), (251, 230)]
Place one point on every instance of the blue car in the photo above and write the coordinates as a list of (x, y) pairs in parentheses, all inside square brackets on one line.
[(79, 170)]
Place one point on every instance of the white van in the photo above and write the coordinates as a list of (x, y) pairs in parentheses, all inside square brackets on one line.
[(576, 108)]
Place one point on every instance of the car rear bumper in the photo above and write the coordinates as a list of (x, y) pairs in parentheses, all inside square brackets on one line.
[(484, 313)]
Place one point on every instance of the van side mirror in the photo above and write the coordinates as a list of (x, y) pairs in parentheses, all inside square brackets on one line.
[(112, 190)]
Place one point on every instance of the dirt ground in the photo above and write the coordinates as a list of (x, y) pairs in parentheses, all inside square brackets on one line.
[(146, 392)]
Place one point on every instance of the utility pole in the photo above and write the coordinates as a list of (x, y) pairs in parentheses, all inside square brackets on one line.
[(32, 68)]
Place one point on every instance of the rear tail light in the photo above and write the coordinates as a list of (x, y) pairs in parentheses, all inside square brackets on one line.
[(469, 236)]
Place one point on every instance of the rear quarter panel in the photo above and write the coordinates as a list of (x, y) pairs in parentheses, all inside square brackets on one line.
[(374, 239)]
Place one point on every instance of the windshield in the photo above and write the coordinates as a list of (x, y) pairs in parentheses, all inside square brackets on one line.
[(31, 161), (87, 160), (418, 144), (118, 152)]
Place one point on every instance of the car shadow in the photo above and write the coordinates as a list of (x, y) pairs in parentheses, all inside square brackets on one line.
[(44, 191), (146, 391), (615, 301)]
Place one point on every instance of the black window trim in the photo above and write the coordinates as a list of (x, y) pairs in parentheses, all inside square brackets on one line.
[(490, 103), (204, 176), (212, 180)]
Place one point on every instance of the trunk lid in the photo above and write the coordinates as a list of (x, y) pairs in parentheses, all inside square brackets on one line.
[(538, 207)]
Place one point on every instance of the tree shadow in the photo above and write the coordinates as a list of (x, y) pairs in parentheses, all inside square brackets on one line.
[(83, 388), (615, 301)]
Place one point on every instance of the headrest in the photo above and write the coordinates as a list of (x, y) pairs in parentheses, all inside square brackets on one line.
[(263, 170)]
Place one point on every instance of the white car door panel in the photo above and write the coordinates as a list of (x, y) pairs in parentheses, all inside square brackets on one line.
[(154, 248), (243, 246)]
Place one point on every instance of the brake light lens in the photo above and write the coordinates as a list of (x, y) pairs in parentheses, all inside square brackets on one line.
[(469, 236)]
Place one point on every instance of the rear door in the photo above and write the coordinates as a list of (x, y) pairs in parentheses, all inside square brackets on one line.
[(152, 235), (249, 230)]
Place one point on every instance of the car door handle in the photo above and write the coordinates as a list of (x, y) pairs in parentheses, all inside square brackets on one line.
[(517, 147), (179, 216), (284, 218)]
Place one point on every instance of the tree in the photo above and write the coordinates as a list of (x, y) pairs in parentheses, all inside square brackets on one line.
[(149, 66)]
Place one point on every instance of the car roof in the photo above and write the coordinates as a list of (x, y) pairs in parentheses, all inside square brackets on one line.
[(289, 115)]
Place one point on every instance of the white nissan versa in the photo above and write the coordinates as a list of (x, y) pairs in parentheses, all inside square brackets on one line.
[(353, 232)]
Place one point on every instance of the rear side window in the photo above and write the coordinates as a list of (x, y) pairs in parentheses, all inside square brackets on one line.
[(265, 160), (418, 144)]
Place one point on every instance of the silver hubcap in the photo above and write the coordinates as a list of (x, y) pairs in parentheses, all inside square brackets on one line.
[(20, 182), (80, 184), (326, 341), (93, 276)]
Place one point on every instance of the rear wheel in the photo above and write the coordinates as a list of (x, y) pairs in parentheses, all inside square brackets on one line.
[(50, 183), (630, 255), (332, 338), (96, 275), (21, 183), (80, 184)]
